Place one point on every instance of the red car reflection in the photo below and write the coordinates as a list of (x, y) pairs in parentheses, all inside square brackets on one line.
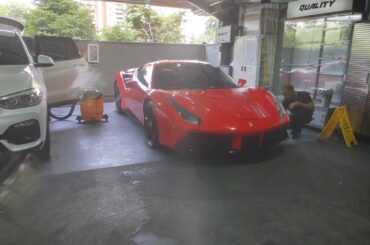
[(194, 106)]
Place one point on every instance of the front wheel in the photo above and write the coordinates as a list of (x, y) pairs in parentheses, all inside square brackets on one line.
[(44, 153), (151, 128)]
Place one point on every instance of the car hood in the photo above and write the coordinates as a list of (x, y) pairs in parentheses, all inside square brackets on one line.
[(229, 104), (14, 79)]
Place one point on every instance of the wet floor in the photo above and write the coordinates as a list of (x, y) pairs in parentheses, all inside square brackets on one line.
[(104, 186)]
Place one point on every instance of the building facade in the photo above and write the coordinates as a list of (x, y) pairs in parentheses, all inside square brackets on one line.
[(317, 46), (104, 13)]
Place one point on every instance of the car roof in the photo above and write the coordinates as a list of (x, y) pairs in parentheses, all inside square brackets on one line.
[(10, 24), (178, 61), (7, 33)]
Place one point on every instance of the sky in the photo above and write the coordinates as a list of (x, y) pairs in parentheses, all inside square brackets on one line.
[(192, 27), (16, 1)]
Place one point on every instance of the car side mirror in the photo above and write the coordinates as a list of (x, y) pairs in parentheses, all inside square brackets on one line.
[(242, 82), (44, 61)]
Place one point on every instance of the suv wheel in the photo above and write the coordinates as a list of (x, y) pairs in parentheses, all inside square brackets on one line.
[(44, 153)]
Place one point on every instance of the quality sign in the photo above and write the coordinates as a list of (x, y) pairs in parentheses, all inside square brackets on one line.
[(305, 8)]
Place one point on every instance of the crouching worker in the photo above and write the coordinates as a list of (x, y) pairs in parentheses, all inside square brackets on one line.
[(301, 108)]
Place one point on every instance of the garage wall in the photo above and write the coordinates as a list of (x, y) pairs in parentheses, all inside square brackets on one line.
[(212, 54), (115, 56)]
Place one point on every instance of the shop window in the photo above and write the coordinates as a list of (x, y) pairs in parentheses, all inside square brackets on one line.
[(315, 53)]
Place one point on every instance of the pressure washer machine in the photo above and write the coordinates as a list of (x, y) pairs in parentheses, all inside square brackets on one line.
[(92, 106)]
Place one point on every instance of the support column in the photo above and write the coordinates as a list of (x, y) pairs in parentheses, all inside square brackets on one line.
[(226, 49), (275, 85)]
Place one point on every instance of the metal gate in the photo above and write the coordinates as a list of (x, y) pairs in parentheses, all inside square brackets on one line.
[(356, 94)]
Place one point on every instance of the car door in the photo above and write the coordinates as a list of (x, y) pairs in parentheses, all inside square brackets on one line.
[(65, 79), (138, 90)]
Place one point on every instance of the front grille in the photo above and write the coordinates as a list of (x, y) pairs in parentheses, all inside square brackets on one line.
[(22, 133), (222, 143), (274, 136), (269, 138), (250, 142), (205, 142)]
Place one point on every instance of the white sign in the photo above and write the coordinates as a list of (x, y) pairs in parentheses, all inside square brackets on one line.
[(93, 53), (306, 8), (223, 34)]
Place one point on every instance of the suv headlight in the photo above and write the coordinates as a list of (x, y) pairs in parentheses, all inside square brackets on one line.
[(279, 106), (185, 114), (22, 99)]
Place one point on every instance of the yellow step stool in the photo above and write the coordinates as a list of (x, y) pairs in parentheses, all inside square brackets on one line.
[(340, 116)]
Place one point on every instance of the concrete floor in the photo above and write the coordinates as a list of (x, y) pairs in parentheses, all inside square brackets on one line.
[(104, 186)]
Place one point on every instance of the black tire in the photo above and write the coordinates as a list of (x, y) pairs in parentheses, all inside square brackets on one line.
[(44, 153), (117, 99), (151, 127)]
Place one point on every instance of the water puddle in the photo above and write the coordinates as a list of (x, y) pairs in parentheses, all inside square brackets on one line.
[(150, 239)]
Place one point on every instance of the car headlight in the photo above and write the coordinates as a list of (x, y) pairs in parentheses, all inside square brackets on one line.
[(281, 110), (22, 99), (185, 114), (279, 106)]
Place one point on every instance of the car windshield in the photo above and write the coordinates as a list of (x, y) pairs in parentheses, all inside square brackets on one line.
[(180, 76), (12, 51)]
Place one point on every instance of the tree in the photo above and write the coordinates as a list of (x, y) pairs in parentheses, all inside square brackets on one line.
[(170, 30), (60, 18), (151, 27), (145, 21), (289, 36), (118, 33), (14, 10), (209, 34)]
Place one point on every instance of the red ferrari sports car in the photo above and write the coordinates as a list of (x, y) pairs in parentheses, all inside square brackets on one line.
[(194, 106)]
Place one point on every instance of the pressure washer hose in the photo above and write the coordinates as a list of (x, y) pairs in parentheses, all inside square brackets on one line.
[(69, 114)]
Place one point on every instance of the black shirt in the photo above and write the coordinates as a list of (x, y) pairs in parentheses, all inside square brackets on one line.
[(302, 97)]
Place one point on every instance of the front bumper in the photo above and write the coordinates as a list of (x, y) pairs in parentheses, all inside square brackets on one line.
[(23, 129), (206, 142)]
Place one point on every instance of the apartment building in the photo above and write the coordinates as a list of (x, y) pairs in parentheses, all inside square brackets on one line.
[(105, 13)]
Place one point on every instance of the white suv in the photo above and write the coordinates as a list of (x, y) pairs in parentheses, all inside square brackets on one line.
[(23, 98), (69, 73)]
